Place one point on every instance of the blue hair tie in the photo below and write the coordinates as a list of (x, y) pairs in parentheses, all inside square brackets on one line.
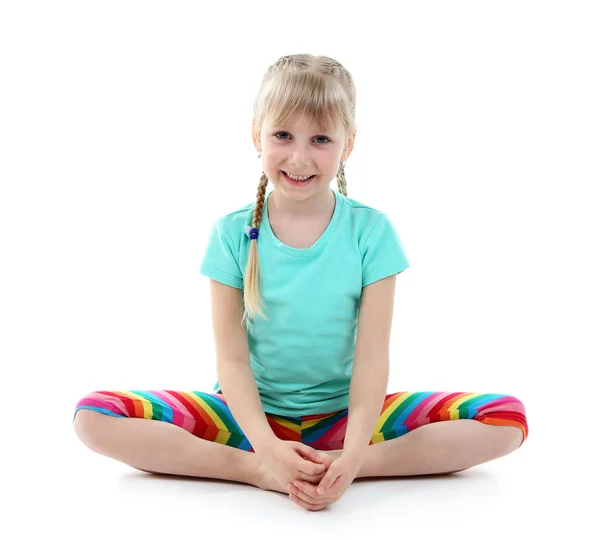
[(251, 233)]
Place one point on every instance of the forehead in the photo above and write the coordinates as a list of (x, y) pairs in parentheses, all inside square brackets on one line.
[(302, 122)]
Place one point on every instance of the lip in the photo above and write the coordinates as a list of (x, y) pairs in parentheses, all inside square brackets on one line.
[(298, 185), (296, 174)]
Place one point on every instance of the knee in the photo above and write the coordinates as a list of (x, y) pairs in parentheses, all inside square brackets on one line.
[(87, 425), (513, 438)]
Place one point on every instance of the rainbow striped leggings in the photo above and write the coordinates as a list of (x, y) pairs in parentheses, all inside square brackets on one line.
[(207, 415)]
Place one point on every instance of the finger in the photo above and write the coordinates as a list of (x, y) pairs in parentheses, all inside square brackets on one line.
[(310, 468), (309, 453), (310, 490), (326, 483), (325, 460), (303, 504), (301, 495), (314, 479), (308, 496)]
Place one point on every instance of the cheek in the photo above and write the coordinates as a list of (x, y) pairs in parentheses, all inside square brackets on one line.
[(273, 159), (272, 167)]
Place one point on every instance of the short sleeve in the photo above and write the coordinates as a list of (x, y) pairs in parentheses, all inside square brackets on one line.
[(383, 254), (219, 261)]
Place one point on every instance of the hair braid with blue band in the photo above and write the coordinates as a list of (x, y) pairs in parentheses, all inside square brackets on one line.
[(251, 233)]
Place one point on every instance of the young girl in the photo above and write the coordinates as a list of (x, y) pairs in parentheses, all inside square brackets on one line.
[(302, 291)]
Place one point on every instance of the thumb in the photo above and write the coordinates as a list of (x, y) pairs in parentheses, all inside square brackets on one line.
[(309, 453), (326, 482)]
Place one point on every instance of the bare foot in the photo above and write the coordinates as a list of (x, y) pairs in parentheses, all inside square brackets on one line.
[(267, 481)]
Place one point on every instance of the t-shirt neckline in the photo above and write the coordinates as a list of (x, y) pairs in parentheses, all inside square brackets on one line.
[(318, 245)]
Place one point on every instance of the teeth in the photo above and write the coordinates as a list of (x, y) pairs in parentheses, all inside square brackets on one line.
[(298, 177)]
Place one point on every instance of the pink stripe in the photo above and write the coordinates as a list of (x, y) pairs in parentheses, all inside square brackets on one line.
[(95, 399), (181, 417), (420, 415)]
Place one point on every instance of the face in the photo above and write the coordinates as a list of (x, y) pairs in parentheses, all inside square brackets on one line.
[(299, 148)]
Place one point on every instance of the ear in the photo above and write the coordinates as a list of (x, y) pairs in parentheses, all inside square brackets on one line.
[(255, 138), (349, 146)]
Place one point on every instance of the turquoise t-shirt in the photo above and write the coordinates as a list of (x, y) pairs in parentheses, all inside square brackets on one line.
[(302, 357)]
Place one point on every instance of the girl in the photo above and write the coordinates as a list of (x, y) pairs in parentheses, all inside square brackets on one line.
[(302, 290)]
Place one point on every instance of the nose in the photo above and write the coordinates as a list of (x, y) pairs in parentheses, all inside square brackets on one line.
[(299, 157)]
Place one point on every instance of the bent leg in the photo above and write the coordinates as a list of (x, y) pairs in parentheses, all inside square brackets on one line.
[(173, 432), (429, 432)]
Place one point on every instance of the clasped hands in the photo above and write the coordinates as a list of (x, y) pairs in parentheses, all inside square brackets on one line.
[(313, 480)]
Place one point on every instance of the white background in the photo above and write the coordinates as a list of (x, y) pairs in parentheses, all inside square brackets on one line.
[(125, 131)]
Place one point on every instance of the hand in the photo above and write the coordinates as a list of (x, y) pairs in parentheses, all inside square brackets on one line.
[(340, 474), (287, 461)]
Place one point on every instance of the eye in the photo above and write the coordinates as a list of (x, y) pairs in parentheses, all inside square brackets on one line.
[(279, 133), (327, 139)]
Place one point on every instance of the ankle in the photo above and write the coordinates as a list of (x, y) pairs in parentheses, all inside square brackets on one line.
[(252, 470)]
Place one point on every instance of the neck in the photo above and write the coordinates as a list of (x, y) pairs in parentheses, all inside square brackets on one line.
[(322, 204)]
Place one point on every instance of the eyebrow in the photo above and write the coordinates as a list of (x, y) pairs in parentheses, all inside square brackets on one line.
[(282, 127)]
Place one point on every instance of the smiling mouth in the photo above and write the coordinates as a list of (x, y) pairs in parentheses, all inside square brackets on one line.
[(298, 181)]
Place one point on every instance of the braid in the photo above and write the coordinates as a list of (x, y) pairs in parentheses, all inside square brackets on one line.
[(341, 181), (252, 300), (260, 200)]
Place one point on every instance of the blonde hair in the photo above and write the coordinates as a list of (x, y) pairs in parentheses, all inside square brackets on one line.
[(317, 86)]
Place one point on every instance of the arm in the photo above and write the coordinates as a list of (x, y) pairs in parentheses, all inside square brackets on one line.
[(233, 365), (241, 393), (370, 371)]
